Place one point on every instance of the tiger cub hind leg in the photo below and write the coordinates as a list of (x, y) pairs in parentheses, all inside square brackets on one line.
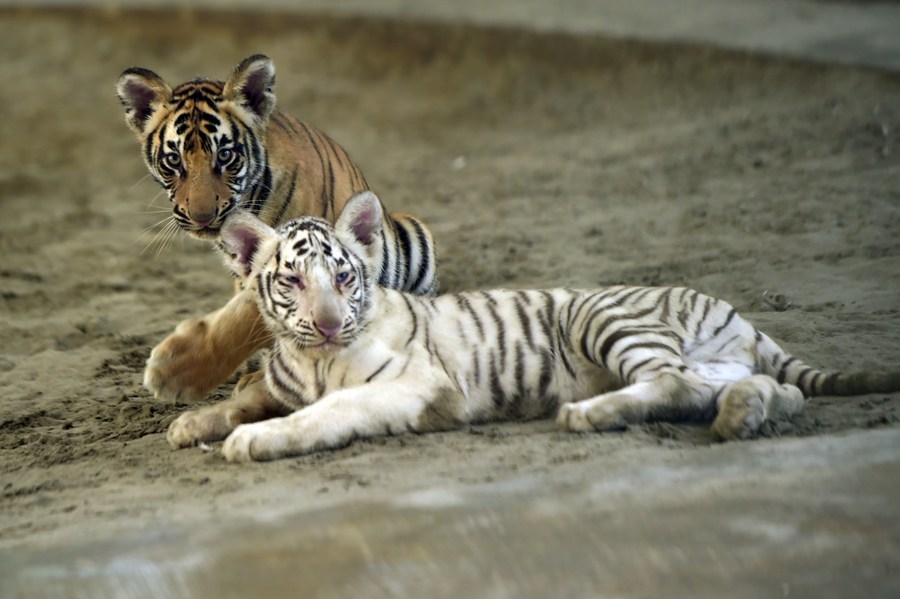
[(668, 396), (250, 403), (745, 405)]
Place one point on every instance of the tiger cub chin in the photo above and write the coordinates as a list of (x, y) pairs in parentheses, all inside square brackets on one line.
[(354, 360)]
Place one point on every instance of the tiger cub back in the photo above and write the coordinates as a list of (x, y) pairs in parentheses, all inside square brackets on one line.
[(354, 360), (217, 147)]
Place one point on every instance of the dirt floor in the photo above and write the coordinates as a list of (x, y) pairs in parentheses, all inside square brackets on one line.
[(538, 160)]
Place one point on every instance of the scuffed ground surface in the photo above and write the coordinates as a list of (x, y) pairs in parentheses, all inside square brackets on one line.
[(538, 160)]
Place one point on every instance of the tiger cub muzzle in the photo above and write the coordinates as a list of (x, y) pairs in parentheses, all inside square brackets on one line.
[(201, 201)]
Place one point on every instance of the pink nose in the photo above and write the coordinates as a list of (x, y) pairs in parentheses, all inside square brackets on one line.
[(328, 330)]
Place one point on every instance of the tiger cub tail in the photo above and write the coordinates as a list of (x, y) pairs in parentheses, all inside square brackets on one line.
[(774, 361)]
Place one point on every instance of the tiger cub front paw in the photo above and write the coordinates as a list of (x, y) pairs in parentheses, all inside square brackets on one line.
[(199, 426), (256, 442), (183, 365)]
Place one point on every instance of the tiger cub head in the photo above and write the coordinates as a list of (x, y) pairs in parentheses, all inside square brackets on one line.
[(310, 278), (203, 140)]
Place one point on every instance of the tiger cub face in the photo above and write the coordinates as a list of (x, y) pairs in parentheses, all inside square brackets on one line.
[(310, 278), (203, 140)]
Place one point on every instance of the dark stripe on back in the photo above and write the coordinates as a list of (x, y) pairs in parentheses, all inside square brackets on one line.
[(425, 253), (728, 319)]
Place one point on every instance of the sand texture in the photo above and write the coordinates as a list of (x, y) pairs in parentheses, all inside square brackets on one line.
[(538, 160)]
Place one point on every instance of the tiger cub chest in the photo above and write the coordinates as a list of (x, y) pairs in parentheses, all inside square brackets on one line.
[(300, 379)]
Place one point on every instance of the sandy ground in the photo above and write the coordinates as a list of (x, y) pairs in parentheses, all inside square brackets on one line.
[(538, 160)]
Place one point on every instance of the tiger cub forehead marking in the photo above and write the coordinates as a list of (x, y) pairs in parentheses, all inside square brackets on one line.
[(195, 103), (306, 239)]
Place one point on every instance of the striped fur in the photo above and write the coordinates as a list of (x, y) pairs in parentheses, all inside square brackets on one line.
[(386, 362), (219, 148)]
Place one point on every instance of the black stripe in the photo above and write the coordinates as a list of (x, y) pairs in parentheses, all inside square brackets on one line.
[(287, 198), (782, 372), (405, 252), (384, 268), (273, 379), (148, 147), (707, 303), (627, 376), (425, 251), (814, 384), (802, 375), (648, 345), (519, 373), (476, 367), (588, 352), (546, 373), (501, 334), (593, 300), (261, 193), (611, 340), (728, 319), (497, 393), (329, 145), (666, 306), (464, 303), (338, 150), (320, 381), (637, 298), (626, 294), (278, 360), (564, 354), (321, 166), (524, 323), (378, 370), (415, 319)]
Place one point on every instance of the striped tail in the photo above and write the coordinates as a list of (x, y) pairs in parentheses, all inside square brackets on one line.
[(774, 361)]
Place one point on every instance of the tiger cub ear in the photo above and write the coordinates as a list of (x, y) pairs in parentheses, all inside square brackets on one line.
[(141, 92), (359, 227), (248, 243), (252, 85)]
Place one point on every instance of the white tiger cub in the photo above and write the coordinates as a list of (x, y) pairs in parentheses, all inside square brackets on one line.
[(353, 360)]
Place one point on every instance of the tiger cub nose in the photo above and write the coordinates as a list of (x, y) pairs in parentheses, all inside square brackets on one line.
[(204, 219), (328, 329)]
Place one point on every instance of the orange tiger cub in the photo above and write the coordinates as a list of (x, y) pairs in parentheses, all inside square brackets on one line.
[(222, 147)]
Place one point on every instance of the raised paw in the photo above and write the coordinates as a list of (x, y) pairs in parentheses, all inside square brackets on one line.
[(585, 416), (183, 367)]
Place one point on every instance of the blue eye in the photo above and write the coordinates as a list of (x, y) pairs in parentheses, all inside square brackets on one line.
[(342, 277)]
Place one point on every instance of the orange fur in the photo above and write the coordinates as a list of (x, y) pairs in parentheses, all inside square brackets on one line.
[(219, 147)]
